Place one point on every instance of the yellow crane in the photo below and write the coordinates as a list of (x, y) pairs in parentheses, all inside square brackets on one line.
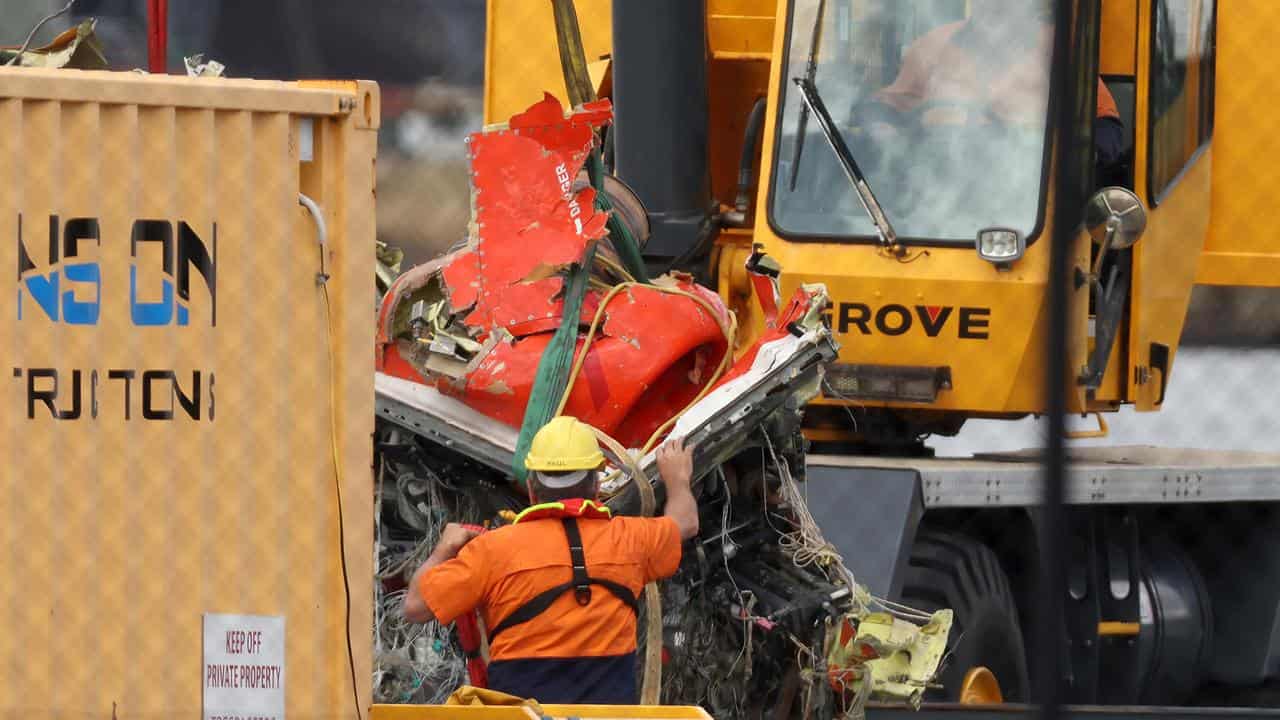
[(755, 134)]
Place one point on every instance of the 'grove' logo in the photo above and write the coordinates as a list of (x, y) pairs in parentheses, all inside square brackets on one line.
[(971, 323), (70, 289)]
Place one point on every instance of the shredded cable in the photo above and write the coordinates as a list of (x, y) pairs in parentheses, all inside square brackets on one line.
[(745, 600), (414, 663), (830, 389), (806, 544), (808, 547)]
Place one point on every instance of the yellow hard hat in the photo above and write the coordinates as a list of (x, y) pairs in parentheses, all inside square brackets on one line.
[(564, 445)]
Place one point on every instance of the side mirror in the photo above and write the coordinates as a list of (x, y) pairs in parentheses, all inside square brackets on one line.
[(1115, 218)]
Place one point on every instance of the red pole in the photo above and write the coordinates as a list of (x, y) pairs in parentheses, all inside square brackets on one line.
[(157, 35)]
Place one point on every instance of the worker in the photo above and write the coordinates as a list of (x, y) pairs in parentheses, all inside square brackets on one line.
[(1108, 140), (991, 68), (558, 588)]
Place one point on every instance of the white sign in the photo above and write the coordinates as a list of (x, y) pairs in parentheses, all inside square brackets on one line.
[(243, 667)]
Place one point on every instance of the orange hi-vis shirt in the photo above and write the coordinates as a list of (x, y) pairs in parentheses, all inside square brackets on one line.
[(501, 570), (936, 67)]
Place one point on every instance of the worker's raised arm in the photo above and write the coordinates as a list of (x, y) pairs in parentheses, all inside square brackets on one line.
[(416, 608), (675, 464), (922, 59)]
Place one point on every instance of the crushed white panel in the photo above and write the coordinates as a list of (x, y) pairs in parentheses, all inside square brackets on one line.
[(772, 355), (244, 667), (723, 418), (426, 411)]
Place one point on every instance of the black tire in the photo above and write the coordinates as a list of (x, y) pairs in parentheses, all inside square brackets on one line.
[(956, 571)]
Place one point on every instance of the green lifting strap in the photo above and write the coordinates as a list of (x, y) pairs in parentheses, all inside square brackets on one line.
[(551, 380), (553, 369)]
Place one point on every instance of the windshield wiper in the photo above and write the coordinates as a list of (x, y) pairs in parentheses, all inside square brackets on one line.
[(810, 72), (813, 102)]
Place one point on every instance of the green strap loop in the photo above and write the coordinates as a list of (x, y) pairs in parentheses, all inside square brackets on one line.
[(553, 369)]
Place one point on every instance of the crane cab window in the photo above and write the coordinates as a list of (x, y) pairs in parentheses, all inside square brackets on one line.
[(1181, 94), (943, 103)]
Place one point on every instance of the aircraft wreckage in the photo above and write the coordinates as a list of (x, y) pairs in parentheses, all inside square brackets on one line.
[(763, 612)]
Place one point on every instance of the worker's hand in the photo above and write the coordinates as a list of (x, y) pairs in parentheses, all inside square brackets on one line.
[(453, 538), (675, 463)]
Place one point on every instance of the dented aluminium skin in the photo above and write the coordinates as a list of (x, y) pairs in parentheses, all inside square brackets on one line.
[(474, 323)]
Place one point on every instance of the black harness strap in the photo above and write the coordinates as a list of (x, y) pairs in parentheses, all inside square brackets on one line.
[(581, 580), (580, 585)]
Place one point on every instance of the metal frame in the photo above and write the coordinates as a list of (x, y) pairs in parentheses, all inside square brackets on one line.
[(1097, 476), (427, 412)]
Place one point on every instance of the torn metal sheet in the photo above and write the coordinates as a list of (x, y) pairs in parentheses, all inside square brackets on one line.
[(525, 213), (782, 370), (387, 267), (485, 313), (785, 373), (887, 656), (76, 48)]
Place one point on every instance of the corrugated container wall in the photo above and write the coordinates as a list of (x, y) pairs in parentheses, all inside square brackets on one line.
[(181, 408)]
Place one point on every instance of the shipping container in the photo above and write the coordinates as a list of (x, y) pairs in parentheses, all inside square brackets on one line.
[(187, 400)]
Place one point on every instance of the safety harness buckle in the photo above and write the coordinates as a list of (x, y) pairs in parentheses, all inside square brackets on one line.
[(578, 559)]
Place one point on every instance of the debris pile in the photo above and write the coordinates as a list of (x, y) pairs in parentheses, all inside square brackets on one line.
[(763, 611), (475, 322), (412, 663)]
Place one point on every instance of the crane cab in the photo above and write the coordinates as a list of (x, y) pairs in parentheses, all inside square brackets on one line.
[(947, 321)]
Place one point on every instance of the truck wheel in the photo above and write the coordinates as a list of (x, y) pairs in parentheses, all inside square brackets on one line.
[(956, 571)]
